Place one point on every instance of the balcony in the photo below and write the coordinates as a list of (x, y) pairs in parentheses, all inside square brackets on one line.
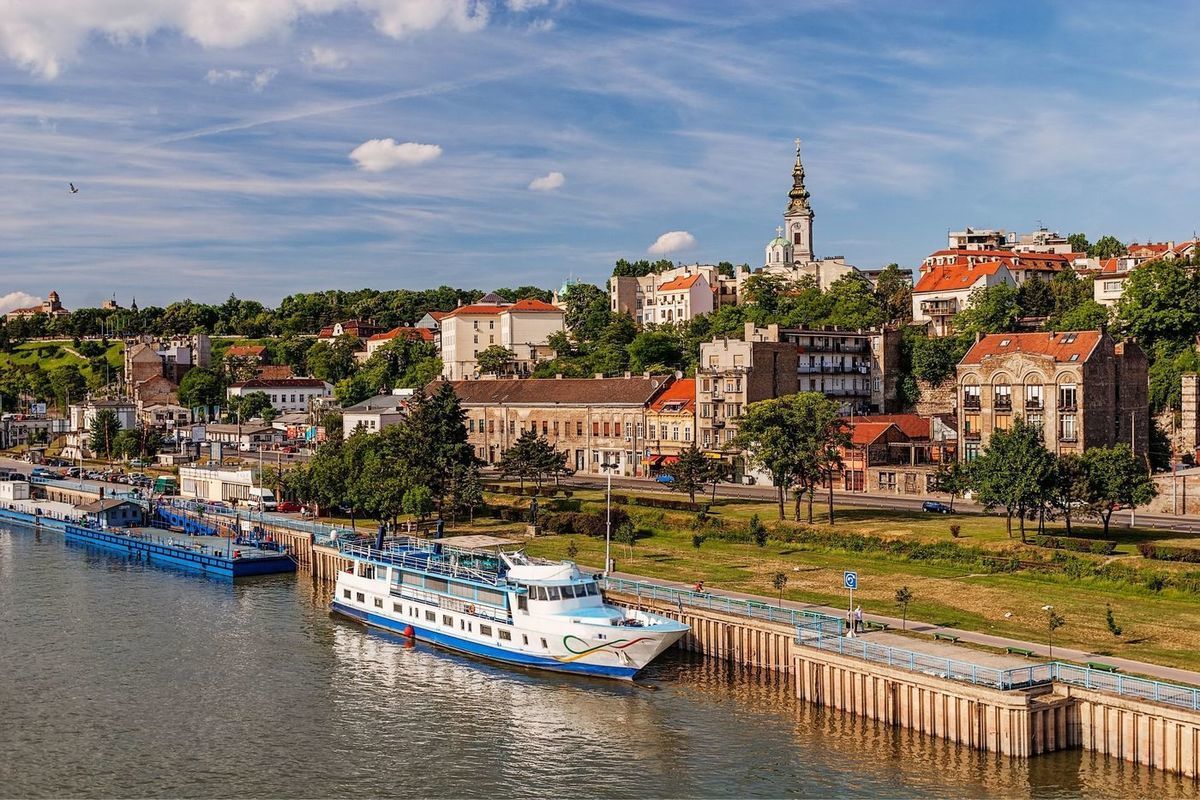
[(718, 423), (1033, 404), (1002, 404), (1068, 437), (939, 308), (971, 436), (971, 403)]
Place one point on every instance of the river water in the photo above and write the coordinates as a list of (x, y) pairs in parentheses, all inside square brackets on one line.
[(122, 679)]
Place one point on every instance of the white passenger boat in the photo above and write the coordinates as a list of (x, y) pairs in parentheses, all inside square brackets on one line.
[(503, 606)]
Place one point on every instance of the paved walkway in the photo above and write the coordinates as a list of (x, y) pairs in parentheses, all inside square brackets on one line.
[(1155, 671)]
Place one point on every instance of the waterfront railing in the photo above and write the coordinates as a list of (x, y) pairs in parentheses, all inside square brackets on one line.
[(730, 605), (828, 634)]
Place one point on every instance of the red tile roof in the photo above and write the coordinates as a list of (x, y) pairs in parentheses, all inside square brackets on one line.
[(955, 276), (865, 433), (682, 282), (412, 334), (523, 306), (1058, 346), (272, 372), (914, 425), (245, 350), (437, 315), (1148, 250), (279, 383), (681, 391)]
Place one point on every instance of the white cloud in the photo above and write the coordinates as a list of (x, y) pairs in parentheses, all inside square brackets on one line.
[(256, 80), (42, 36), (525, 5), (670, 242), (548, 182), (17, 300), (262, 78), (325, 58), (377, 155)]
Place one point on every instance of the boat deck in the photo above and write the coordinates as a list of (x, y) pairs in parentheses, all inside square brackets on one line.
[(212, 555)]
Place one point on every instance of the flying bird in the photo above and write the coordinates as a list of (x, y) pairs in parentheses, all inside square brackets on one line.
[(73, 189)]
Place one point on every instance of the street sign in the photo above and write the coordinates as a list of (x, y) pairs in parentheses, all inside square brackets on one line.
[(849, 580)]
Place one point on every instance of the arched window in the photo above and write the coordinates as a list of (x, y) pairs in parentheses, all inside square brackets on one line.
[(1001, 393)]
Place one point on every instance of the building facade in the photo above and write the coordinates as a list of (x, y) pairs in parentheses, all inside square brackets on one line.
[(673, 295), (285, 394), (595, 421), (1081, 387), (50, 307), (375, 413), (523, 328), (670, 425)]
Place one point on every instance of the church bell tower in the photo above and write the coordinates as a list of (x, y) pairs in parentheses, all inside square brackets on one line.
[(798, 219)]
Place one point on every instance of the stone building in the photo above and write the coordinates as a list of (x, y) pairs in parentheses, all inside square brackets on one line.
[(673, 295), (1083, 389), (50, 307), (596, 421)]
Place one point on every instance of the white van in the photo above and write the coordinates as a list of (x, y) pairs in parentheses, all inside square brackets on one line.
[(262, 499)]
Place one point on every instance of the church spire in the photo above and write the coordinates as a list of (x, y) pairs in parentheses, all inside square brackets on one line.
[(798, 196)]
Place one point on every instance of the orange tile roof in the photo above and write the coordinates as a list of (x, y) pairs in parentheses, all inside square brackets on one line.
[(437, 315), (865, 433), (244, 350), (682, 390), (1149, 249), (682, 282), (1058, 346), (520, 305), (955, 276), (412, 334), (1110, 266), (914, 425)]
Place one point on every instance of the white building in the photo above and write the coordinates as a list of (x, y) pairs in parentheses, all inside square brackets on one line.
[(673, 295), (285, 394), (375, 413), (243, 437), (216, 483), (523, 328), (943, 291)]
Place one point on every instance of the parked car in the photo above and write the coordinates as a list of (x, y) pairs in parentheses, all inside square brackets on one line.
[(288, 506), (41, 472), (934, 507), (664, 478)]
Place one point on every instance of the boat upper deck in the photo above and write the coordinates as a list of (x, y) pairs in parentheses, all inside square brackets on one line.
[(434, 557)]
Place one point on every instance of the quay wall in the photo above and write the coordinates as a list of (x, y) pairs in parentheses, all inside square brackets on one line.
[(1021, 724)]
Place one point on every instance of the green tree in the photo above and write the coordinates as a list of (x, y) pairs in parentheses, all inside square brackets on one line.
[(201, 388), (1087, 316), (758, 531), (934, 359), (532, 457), (990, 309), (1160, 302), (765, 291), (1107, 247), (1068, 487), (1116, 478), (1079, 243), (494, 360), (587, 311), (952, 478), (626, 534), (795, 439), (433, 439), (251, 405), (690, 472), (1054, 621), (659, 350), (1013, 472), (1035, 298), (904, 596), (333, 361), (853, 304), (466, 490), (68, 384), (893, 289), (104, 430), (418, 502), (780, 582)]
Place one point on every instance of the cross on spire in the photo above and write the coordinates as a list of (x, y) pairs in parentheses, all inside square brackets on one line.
[(797, 148), (779, 230)]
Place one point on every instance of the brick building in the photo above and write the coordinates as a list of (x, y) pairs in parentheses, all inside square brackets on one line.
[(594, 420), (1082, 387)]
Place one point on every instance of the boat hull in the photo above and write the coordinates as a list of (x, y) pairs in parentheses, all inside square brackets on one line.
[(479, 649)]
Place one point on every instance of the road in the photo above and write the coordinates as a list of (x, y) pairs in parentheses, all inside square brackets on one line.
[(1163, 522)]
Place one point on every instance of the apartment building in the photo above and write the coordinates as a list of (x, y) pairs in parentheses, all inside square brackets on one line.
[(673, 295), (596, 421), (523, 328), (285, 394), (375, 413), (670, 425), (1083, 389)]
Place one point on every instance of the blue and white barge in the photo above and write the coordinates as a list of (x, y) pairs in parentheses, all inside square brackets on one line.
[(502, 606)]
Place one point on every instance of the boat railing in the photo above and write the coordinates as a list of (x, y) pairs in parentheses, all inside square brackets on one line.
[(457, 604), (729, 605), (423, 563)]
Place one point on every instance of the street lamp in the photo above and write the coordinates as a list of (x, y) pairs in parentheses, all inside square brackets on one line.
[(608, 468)]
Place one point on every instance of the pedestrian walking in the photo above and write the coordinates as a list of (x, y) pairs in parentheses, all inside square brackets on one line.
[(858, 626)]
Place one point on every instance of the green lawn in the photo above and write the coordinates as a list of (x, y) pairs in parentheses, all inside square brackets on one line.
[(50, 355)]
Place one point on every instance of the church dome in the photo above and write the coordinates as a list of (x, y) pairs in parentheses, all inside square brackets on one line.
[(778, 241)]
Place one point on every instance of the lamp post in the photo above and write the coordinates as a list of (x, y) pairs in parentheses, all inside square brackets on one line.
[(608, 468)]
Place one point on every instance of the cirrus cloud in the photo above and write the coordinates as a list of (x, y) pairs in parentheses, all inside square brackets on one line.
[(377, 155), (548, 182), (671, 241)]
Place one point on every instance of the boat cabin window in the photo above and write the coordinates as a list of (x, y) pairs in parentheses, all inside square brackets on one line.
[(522, 603), (379, 602), (346, 593), (430, 616), (544, 645), (553, 593), (381, 573), (505, 636), (448, 620), (485, 630), (360, 597), (397, 608), (569, 591)]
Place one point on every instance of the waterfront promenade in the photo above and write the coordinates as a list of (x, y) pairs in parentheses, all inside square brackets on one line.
[(1041, 649)]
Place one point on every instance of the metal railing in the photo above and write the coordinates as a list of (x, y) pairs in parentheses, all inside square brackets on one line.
[(729, 605), (827, 634)]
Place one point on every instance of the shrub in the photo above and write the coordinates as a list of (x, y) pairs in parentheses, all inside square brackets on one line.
[(1100, 547), (584, 523), (662, 502), (956, 530), (758, 531), (1163, 552)]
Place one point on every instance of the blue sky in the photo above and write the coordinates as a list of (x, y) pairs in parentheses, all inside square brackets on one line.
[(211, 139)]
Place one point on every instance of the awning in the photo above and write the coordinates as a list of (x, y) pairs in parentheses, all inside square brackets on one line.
[(653, 460), (669, 459)]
